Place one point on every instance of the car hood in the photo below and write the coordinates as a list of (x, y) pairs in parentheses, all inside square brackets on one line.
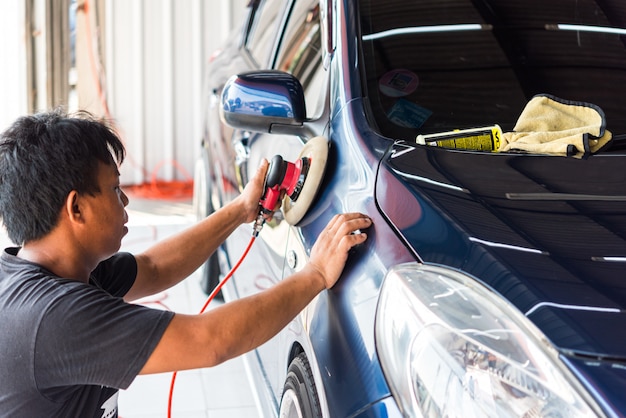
[(547, 233)]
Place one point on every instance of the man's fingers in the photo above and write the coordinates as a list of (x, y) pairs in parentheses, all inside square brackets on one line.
[(347, 223), (345, 230), (351, 240), (330, 252)]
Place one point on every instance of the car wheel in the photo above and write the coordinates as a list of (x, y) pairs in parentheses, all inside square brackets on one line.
[(299, 398), (210, 270)]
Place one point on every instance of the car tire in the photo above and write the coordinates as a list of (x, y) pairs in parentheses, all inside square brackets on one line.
[(300, 398), (210, 270)]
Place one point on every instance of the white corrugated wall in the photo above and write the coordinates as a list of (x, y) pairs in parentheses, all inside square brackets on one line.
[(156, 55), (13, 62), (139, 62)]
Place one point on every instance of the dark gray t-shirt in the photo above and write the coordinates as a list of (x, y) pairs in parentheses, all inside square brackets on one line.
[(66, 346)]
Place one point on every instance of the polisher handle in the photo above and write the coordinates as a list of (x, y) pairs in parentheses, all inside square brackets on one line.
[(276, 171), (273, 180)]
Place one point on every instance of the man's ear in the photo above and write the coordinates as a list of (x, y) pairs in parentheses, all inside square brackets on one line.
[(73, 207)]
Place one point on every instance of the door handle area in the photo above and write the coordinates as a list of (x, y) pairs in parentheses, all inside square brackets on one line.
[(242, 156)]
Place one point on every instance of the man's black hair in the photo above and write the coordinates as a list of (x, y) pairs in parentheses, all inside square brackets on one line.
[(43, 157)]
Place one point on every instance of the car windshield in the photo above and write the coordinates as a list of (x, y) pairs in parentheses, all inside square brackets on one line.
[(439, 65)]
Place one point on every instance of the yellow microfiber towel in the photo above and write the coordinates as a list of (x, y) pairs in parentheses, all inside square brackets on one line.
[(550, 125)]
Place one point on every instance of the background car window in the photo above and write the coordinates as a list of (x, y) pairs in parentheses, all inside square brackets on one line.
[(263, 28), (438, 66), (300, 54)]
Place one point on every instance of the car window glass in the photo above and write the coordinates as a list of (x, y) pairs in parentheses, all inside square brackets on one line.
[(261, 36), (315, 90), (300, 54), (435, 66)]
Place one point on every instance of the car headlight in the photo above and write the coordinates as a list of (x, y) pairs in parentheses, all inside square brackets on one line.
[(451, 347)]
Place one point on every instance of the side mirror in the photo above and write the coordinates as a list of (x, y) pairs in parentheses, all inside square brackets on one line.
[(264, 101)]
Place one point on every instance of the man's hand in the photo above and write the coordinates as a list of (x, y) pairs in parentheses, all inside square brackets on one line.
[(253, 192), (330, 252)]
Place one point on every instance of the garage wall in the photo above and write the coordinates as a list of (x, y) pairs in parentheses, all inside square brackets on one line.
[(137, 62), (13, 62), (156, 52), (35, 56)]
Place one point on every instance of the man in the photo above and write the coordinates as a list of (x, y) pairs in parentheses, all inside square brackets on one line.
[(68, 336)]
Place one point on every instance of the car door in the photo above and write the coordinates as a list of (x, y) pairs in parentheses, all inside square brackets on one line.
[(299, 54), (217, 170)]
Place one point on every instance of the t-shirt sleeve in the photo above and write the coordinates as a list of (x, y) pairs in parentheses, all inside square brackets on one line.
[(87, 336), (116, 274)]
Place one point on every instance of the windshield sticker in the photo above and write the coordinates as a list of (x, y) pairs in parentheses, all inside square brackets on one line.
[(407, 114), (398, 83)]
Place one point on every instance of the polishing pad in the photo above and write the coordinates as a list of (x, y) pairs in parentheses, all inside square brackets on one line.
[(316, 152)]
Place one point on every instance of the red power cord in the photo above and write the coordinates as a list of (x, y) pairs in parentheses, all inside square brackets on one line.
[(206, 304)]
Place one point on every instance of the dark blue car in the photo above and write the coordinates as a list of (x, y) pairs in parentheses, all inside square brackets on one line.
[(487, 141)]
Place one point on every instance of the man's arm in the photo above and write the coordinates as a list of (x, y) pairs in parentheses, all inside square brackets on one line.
[(193, 341), (175, 258)]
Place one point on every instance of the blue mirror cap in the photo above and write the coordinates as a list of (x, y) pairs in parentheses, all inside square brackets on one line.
[(273, 94)]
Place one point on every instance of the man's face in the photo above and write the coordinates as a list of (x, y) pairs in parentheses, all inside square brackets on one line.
[(105, 213)]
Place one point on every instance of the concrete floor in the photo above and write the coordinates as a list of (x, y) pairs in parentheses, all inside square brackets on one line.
[(217, 392)]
